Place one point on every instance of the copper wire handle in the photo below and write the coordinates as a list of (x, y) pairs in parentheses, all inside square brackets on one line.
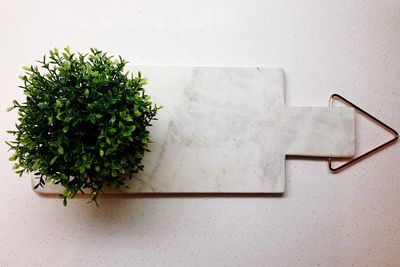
[(376, 149)]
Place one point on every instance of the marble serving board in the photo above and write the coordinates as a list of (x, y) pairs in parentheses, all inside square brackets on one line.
[(227, 130)]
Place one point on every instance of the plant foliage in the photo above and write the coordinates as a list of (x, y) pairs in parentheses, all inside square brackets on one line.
[(83, 124)]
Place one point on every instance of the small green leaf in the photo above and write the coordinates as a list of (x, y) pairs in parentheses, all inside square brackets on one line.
[(60, 150), (82, 169), (65, 129), (101, 152), (42, 105), (128, 118), (53, 160), (112, 120), (99, 116), (92, 119), (136, 112), (64, 177), (87, 92), (51, 121), (13, 158), (16, 166)]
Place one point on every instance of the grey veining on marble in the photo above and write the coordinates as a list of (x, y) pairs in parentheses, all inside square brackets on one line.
[(228, 130)]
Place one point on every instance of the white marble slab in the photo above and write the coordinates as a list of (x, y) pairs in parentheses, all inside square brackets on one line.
[(228, 130)]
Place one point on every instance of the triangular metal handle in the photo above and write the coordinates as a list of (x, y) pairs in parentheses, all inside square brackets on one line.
[(374, 150)]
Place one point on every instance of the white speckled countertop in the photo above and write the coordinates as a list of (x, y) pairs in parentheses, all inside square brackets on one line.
[(351, 218)]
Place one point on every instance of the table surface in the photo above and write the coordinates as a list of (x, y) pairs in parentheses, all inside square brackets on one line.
[(346, 47)]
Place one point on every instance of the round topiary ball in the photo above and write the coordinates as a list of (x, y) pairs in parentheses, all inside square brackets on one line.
[(83, 124)]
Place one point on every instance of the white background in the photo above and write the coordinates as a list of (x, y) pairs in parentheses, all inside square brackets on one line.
[(351, 218)]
